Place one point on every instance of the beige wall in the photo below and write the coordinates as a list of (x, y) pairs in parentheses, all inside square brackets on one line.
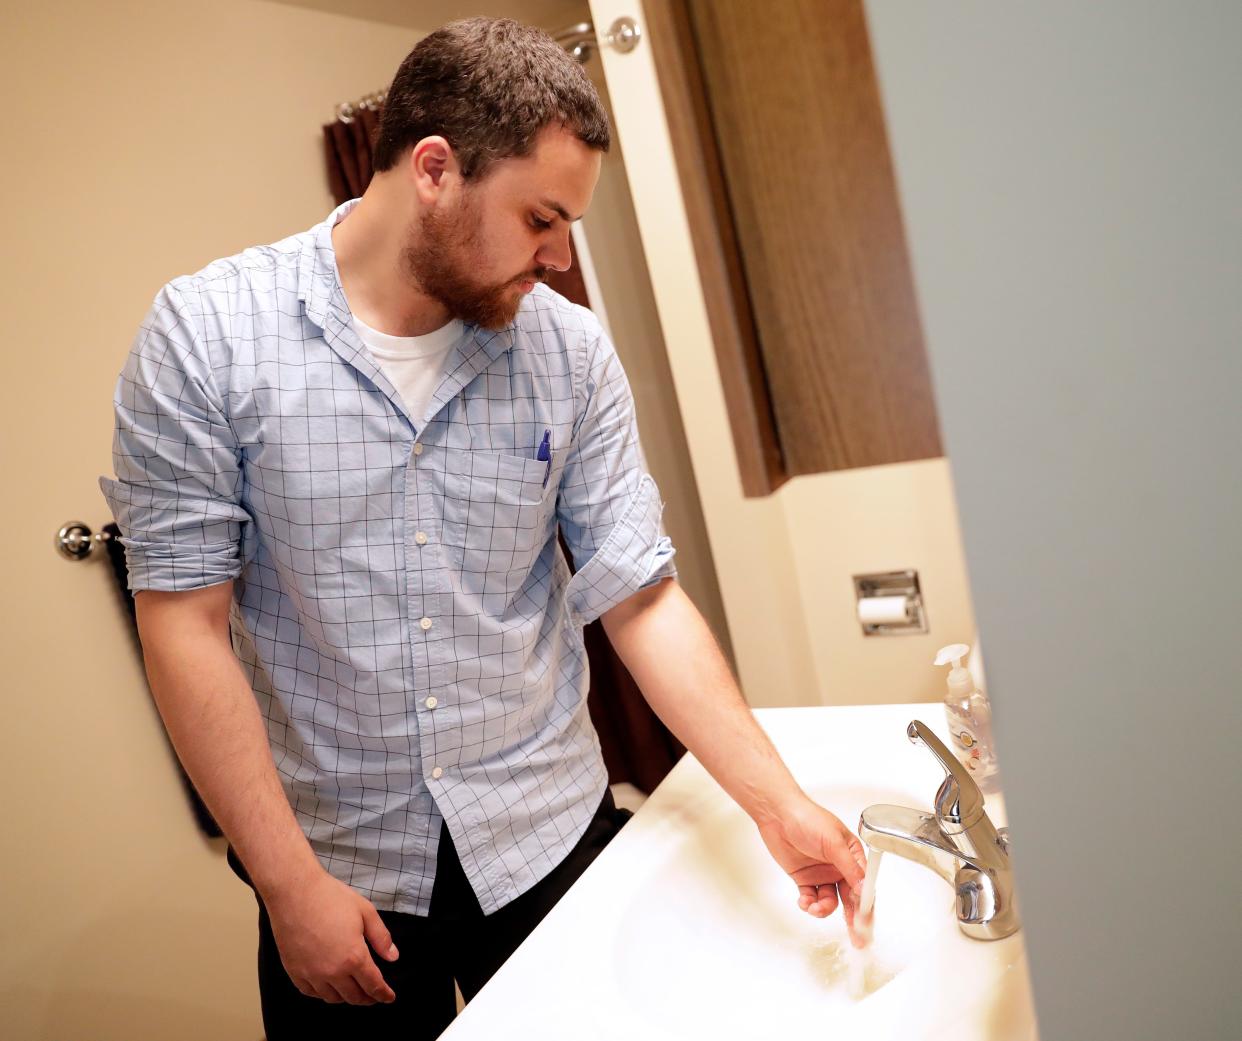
[(148, 138), (153, 139), (145, 139), (786, 561), (881, 518)]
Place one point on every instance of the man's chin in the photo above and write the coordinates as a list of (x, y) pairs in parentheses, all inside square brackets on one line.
[(500, 314), (492, 311)]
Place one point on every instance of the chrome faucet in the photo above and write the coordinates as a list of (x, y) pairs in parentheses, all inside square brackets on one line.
[(957, 841)]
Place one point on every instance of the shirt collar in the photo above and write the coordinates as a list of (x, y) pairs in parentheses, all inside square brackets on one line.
[(319, 283), (319, 287)]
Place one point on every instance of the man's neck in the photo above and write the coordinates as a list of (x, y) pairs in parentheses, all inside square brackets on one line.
[(369, 246)]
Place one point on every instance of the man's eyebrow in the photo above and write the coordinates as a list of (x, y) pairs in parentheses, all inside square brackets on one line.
[(559, 210)]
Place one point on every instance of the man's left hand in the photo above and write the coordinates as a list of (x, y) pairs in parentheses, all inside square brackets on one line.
[(822, 856)]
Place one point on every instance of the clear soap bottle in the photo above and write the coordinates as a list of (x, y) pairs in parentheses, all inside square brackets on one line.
[(969, 715)]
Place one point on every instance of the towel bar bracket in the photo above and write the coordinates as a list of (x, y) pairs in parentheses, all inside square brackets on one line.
[(74, 541)]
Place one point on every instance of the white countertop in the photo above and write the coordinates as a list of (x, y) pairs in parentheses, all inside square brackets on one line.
[(684, 926)]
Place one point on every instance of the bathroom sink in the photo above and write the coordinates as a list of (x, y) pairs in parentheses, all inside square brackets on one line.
[(685, 928), (764, 969)]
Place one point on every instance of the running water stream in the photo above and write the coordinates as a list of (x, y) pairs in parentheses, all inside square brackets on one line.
[(862, 959)]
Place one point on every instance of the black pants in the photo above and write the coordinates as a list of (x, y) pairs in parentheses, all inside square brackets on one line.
[(456, 941)]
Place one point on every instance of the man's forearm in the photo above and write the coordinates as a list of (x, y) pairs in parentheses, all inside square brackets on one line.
[(675, 660), (210, 713)]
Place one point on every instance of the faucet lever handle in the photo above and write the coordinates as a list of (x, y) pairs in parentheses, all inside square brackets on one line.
[(959, 802)]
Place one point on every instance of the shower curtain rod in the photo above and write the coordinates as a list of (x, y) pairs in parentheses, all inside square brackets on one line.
[(578, 40)]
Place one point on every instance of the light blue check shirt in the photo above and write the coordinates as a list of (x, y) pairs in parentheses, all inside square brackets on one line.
[(402, 607)]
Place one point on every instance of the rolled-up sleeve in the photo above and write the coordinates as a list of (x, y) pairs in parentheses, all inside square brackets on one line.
[(176, 496), (608, 506)]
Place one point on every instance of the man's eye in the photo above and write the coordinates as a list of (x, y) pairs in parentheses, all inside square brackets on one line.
[(540, 223)]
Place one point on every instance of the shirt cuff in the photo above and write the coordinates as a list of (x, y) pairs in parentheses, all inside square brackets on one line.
[(633, 556), (172, 568), (169, 566)]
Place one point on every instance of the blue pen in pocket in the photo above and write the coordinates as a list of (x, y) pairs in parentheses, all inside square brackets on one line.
[(545, 455)]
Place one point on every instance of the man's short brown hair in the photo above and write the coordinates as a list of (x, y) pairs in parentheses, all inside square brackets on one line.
[(488, 86)]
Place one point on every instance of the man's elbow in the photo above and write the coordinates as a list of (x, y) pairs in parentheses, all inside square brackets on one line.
[(161, 614), (637, 604)]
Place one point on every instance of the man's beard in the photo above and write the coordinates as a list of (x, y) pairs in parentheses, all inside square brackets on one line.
[(441, 260)]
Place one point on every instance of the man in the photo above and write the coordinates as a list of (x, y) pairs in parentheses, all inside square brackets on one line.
[(342, 464)]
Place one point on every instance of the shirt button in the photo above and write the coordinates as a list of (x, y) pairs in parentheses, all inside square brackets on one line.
[(431, 702), (437, 773), (425, 623), (418, 448), (421, 538)]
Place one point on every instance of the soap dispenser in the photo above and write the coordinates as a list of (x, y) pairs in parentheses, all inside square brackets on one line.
[(969, 715)]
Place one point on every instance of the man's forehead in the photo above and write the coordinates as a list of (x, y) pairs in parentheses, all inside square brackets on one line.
[(558, 175)]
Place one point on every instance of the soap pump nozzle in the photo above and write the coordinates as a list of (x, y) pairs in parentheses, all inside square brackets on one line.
[(960, 681)]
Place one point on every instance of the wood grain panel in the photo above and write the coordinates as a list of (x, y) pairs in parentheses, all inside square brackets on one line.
[(810, 199)]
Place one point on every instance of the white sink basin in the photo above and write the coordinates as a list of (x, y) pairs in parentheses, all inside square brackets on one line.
[(685, 928), (767, 965), (761, 968)]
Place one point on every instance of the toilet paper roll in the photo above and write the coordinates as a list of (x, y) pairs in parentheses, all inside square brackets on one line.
[(882, 610)]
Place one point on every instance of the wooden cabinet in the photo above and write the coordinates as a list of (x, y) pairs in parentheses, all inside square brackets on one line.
[(778, 130)]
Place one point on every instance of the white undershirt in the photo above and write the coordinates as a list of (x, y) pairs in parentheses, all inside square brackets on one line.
[(413, 363)]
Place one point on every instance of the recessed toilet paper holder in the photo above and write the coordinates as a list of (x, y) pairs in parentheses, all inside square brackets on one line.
[(890, 603)]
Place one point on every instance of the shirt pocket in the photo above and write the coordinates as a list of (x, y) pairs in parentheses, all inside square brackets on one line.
[(497, 518)]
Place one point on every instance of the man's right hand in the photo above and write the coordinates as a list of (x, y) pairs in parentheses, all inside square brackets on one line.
[(322, 926), (322, 929)]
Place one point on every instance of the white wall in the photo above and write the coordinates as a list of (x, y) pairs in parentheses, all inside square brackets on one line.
[(612, 235), (1072, 180), (785, 562)]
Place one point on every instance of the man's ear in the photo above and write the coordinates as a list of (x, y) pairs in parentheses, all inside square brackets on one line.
[(432, 166)]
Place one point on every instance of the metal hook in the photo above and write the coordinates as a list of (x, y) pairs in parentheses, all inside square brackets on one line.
[(624, 34), (75, 541)]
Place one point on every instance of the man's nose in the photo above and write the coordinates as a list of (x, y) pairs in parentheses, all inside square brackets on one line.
[(555, 253)]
